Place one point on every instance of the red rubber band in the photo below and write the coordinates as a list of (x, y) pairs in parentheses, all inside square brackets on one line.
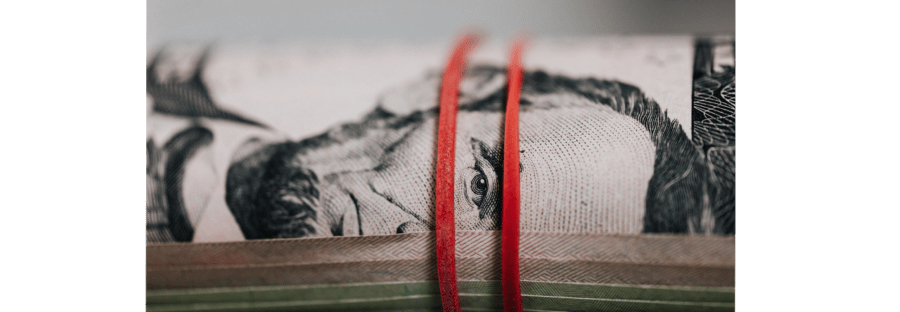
[(445, 227), (509, 248)]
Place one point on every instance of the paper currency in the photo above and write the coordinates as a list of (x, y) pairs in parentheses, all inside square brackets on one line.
[(390, 272), (626, 144), (617, 136)]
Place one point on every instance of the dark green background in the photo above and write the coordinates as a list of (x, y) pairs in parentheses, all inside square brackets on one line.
[(817, 181)]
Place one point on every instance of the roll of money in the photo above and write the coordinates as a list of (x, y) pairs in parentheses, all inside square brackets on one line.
[(599, 154), (304, 173)]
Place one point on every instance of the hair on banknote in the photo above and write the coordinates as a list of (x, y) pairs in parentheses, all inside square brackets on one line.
[(271, 195)]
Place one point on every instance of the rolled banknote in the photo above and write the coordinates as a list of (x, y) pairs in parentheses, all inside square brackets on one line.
[(617, 136), (303, 176)]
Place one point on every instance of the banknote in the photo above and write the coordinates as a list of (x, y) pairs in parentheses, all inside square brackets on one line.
[(618, 136), (391, 272)]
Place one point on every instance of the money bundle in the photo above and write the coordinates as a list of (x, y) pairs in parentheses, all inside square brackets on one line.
[(264, 193)]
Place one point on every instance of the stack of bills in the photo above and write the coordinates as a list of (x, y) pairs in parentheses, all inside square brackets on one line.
[(300, 176)]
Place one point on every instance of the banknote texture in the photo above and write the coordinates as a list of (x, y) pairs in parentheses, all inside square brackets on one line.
[(664, 260), (624, 206), (714, 101), (597, 156), (575, 271), (423, 296)]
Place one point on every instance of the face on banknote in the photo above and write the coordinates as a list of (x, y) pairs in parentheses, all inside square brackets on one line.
[(599, 153)]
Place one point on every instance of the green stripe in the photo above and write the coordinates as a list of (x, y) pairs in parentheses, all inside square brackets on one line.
[(593, 304), (467, 301), (381, 290), (300, 293), (479, 295), (419, 302)]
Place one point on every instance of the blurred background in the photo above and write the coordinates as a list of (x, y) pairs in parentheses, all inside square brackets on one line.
[(172, 21), (284, 63)]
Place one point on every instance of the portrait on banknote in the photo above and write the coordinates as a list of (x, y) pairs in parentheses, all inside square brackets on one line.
[(598, 155)]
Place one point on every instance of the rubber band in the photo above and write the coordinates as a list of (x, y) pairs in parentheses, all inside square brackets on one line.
[(509, 249), (445, 226)]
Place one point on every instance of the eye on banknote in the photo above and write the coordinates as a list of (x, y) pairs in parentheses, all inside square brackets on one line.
[(636, 137), (302, 176)]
